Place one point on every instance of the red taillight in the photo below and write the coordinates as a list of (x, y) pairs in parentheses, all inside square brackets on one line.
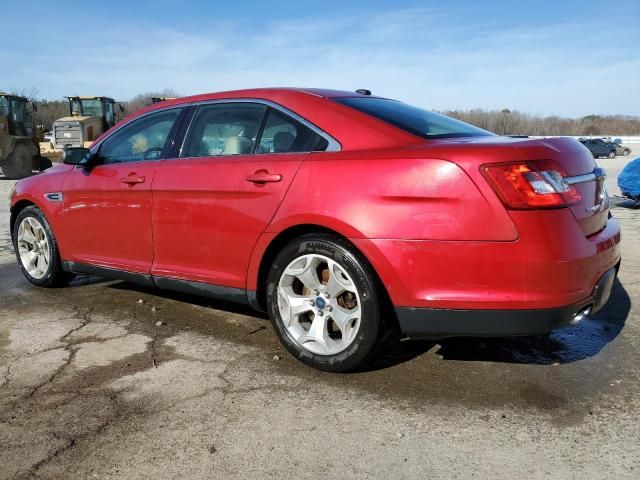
[(528, 185)]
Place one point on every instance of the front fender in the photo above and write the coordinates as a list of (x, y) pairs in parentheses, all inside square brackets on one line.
[(33, 190)]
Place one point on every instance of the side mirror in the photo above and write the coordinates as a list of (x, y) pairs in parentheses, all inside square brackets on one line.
[(77, 156), (121, 107)]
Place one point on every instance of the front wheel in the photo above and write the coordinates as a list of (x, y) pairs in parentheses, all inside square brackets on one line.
[(37, 250), (612, 154), (626, 152), (322, 299)]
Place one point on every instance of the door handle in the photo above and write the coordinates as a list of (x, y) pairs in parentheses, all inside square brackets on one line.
[(262, 176), (132, 179)]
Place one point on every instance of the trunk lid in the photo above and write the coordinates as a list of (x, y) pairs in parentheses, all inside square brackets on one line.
[(574, 158)]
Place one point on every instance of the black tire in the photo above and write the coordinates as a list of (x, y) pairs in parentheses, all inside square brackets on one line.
[(612, 154), (366, 340), (19, 164), (626, 152), (55, 275)]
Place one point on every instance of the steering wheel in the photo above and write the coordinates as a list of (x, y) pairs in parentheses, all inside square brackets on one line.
[(149, 151)]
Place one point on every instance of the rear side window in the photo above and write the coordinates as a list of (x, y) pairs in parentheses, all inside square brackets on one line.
[(417, 121), (283, 134), (224, 129)]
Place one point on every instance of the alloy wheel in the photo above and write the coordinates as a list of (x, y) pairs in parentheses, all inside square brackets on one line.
[(319, 304), (33, 247)]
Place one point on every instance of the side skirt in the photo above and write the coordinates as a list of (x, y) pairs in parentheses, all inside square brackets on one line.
[(229, 294)]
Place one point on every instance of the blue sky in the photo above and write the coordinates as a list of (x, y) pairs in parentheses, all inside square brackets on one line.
[(567, 58)]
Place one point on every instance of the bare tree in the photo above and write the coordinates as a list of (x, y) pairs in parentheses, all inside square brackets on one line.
[(512, 122)]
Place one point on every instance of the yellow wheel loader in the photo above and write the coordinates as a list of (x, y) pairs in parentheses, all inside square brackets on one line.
[(19, 154), (89, 117)]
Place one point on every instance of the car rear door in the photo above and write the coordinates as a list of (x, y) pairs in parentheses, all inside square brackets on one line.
[(106, 215), (211, 205)]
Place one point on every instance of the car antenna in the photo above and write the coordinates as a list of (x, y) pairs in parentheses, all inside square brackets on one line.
[(363, 91)]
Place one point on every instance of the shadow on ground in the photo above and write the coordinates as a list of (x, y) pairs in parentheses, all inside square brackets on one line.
[(623, 202), (566, 345)]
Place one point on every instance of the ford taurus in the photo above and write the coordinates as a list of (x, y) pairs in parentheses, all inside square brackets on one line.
[(341, 214)]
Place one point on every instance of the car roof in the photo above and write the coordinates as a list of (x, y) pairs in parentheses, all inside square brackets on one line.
[(269, 93), (310, 103)]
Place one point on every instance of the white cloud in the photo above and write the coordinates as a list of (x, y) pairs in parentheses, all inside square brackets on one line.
[(420, 56)]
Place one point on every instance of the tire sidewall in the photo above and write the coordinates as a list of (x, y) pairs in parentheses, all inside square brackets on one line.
[(363, 345), (52, 272)]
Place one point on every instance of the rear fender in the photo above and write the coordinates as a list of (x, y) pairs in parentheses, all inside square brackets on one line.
[(399, 198)]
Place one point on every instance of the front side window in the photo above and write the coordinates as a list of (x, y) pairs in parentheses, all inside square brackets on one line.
[(224, 129), (283, 134), (417, 121), (142, 139)]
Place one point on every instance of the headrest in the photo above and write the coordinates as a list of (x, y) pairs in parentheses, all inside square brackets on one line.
[(237, 146)]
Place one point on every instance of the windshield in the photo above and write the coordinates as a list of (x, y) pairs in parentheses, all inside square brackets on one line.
[(414, 120), (87, 107), (4, 106)]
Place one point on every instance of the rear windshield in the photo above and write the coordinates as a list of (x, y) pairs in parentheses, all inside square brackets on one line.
[(414, 120)]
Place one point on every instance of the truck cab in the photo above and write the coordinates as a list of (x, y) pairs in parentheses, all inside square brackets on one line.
[(89, 117), (18, 144)]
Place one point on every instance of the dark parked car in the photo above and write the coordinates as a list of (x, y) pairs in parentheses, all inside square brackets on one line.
[(599, 148)]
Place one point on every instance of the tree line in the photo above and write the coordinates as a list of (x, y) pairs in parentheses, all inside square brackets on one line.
[(502, 122), (512, 122), (48, 111)]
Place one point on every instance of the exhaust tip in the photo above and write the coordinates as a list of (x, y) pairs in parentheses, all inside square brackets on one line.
[(581, 315)]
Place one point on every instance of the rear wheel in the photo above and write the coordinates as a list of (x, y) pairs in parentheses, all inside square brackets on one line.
[(626, 152), (322, 299), (612, 154), (19, 164), (37, 250)]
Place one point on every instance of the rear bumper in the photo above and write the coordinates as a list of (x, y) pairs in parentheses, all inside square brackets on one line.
[(442, 323), (552, 265)]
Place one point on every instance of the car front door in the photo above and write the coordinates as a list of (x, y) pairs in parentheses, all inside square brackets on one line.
[(212, 204), (106, 215)]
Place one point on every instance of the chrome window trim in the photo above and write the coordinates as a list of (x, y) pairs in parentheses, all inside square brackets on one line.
[(332, 144), (94, 148)]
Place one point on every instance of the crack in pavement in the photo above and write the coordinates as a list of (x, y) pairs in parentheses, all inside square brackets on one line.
[(85, 320)]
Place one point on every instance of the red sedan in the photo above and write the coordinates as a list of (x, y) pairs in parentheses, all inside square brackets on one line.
[(341, 214)]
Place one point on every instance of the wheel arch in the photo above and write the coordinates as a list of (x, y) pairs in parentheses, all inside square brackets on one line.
[(16, 209), (287, 235)]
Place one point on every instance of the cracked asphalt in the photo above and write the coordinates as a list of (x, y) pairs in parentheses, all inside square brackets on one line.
[(109, 380)]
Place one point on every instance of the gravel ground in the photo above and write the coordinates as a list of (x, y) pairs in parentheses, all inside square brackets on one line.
[(109, 380)]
